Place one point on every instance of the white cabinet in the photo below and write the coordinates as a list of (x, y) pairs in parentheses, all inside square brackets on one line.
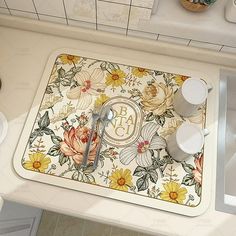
[(19, 220), (1, 203)]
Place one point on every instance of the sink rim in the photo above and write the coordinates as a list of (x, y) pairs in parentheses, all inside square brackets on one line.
[(224, 202)]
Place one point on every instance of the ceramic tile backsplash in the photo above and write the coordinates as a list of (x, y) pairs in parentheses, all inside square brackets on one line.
[(175, 40), (112, 29), (4, 11), (24, 14), (2, 3), (143, 3), (54, 19), (23, 5), (51, 8), (137, 14), (206, 45), (82, 10), (109, 15), (115, 16), (140, 34), (228, 49), (119, 1), (82, 24)]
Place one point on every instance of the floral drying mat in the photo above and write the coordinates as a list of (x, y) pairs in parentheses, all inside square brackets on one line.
[(134, 165)]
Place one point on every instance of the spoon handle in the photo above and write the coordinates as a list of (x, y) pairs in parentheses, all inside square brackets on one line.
[(95, 163), (87, 149)]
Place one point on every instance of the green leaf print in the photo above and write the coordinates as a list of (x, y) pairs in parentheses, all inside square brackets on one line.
[(44, 121), (188, 180), (142, 183)]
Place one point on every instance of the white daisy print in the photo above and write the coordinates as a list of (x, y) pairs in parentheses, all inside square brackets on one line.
[(87, 87), (140, 150)]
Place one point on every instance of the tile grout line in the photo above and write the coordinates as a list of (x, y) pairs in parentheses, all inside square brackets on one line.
[(126, 4), (79, 25), (14, 9), (96, 24), (127, 29), (7, 7), (35, 9), (171, 36), (189, 42), (65, 12), (221, 48), (207, 42), (96, 12), (60, 17), (42, 14), (143, 35)]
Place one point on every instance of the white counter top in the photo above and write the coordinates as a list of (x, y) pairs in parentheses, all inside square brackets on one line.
[(208, 26), (23, 57)]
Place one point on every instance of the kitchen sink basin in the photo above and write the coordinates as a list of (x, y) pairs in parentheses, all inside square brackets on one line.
[(226, 153)]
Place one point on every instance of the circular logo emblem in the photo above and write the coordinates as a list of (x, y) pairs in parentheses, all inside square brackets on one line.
[(125, 127)]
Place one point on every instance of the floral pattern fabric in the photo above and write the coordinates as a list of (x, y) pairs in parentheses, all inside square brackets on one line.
[(63, 124)]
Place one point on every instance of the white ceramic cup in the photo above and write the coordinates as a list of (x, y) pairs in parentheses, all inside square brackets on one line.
[(186, 141), (190, 96)]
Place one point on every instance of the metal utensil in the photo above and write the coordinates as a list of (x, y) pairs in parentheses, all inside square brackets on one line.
[(105, 118), (95, 118)]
